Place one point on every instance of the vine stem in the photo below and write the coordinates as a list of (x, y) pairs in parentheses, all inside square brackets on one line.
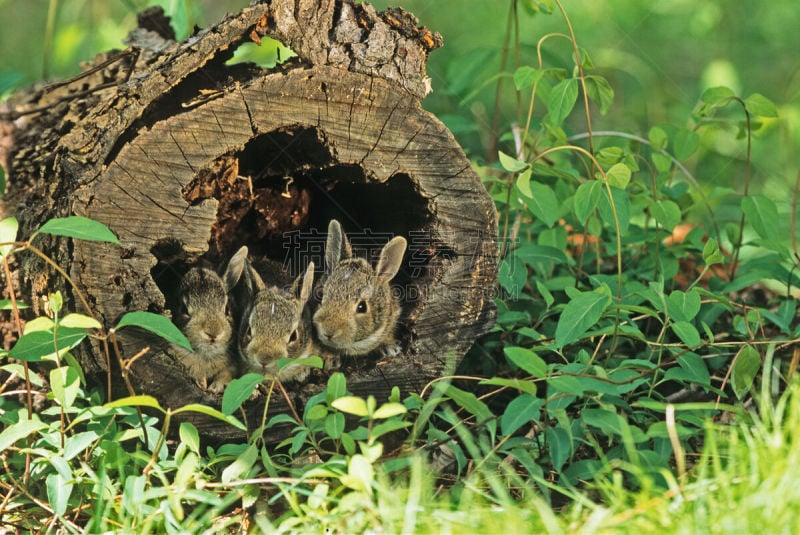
[(581, 75)]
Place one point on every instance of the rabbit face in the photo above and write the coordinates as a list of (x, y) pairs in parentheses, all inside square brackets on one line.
[(276, 327), (358, 312), (355, 318), (205, 318)]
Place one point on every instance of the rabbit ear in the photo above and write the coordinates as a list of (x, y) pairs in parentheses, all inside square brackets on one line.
[(337, 246), (302, 285), (236, 267), (391, 258)]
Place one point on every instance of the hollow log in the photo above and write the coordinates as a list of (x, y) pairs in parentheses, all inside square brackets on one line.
[(186, 158)]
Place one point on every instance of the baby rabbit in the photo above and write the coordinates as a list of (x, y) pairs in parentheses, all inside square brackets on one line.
[(204, 317), (277, 325), (357, 313)]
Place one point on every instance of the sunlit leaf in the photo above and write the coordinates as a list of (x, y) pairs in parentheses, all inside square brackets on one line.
[(79, 321), (351, 405), (619, 175), (510, 163), (156, 324), (78, 227), (214, 413), (658, 138), (8, 233), (135, 401), (760, 106)]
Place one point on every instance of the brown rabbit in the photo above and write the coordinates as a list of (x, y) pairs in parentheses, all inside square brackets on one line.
[(358, 312), (204, 318), (277, 325)]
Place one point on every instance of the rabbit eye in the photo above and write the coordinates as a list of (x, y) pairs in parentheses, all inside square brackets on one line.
[(361, 307), (246, 337)]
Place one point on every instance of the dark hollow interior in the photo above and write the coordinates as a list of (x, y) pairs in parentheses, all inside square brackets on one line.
[(277, 196)]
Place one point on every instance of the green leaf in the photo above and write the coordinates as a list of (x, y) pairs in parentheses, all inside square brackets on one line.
[(351, 405), (762, 215), (2, 181), (511, 164), (135, 401), (683, 306), (619, 175), (387, 410), (59, 490), (334, 425), (543, 203), (17, 431), (8, 233), (65, 383), (214, 413), (717, 95), (531, 254), (608, 421), (586, 198), (687, 333), (623, 209), (667, 213), (711, 253), (360, 474), (559, 446), (241, 466), (238, 391), (746, 365), (78, 227), (685, 143), (526, 76), (691, 368), (658, 138), (526, 360), (337, 387), (522, 409), (582, 312), (524, 183), (79, 321), (469, 402), (156, 324), (600, 92), (561, 100), (32, 346), (760, 106), (189, 436)]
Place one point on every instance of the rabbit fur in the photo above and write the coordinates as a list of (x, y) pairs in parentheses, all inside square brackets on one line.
[(357, 313), (277, 324), (205, 320)]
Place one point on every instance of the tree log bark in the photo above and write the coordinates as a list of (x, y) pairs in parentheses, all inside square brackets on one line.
[(187, 158)]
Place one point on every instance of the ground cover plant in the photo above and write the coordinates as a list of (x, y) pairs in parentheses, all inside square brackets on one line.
[(640, 375)]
